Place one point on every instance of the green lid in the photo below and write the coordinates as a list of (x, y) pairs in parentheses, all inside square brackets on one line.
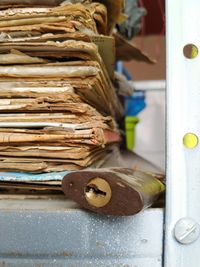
[(130, 124)]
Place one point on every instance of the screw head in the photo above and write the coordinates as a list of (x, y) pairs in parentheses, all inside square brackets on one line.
[(186, 231)]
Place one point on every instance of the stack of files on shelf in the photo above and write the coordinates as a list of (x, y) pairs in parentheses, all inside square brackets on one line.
[(57, 101)]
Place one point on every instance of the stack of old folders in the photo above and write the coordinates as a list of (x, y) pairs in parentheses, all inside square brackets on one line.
[(58, 105)]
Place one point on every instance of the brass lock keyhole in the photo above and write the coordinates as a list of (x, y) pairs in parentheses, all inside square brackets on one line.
[(94, 191), (98, 192)]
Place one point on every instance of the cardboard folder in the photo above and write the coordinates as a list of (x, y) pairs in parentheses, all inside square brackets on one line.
[(58, 104), (63, 64), (113, 9), (67, 18)]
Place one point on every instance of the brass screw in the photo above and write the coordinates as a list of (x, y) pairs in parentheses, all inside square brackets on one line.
[(98, 192)]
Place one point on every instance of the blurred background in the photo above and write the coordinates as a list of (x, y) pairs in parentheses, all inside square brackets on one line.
[(148, 81)]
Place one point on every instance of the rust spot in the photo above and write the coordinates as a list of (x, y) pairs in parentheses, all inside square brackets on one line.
[(64, 254), (21, 254), (4, 264), (99, 245)]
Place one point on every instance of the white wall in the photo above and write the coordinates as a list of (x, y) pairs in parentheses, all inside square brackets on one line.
[(150, 132)]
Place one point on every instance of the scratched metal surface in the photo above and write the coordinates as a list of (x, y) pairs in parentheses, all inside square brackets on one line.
[(55, 232)]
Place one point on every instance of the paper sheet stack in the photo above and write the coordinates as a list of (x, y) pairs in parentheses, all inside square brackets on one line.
[(57, 101)]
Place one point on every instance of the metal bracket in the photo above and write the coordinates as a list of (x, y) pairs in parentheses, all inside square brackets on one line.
[(182, 240)]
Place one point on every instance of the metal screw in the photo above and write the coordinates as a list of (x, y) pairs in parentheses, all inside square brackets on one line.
[(186, 231)]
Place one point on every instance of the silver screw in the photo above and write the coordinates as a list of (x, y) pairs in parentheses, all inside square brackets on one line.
[(186, 231)]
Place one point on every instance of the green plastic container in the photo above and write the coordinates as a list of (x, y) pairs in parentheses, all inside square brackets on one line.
[(130, 124)]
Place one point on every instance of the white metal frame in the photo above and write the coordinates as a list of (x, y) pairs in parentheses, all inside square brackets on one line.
[(182, 242)]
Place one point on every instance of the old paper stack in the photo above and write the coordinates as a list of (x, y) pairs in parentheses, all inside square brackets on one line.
[(57, 101)]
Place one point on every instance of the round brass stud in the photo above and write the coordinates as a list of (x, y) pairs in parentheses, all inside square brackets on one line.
[(190, 140)]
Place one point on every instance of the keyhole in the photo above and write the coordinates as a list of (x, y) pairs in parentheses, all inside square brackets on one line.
[(98, 192), (94, 191)]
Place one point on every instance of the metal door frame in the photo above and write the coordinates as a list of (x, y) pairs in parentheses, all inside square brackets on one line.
[(183, 120)]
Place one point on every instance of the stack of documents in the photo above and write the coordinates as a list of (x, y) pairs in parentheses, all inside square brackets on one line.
[(58, 104)]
